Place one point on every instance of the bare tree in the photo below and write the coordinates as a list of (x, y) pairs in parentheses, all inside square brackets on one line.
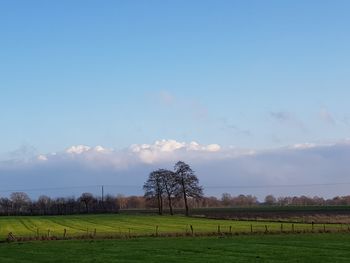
[(86, 198), (270, 200), (153, 188), (244, 200), (226, 199), (5, 204), (121, 201), (44, 204), (110, 204), (20, 202), (170, 186), (188, 183)]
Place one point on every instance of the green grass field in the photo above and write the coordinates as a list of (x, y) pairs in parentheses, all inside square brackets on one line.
[(244, 248), (30, 226)]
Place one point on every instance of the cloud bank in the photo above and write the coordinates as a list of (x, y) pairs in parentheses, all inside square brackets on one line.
[(220, 169)]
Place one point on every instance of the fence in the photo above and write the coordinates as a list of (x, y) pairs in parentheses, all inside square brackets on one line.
[(189, 231)]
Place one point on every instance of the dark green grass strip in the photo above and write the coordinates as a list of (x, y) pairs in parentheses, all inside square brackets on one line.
[(274, 248)]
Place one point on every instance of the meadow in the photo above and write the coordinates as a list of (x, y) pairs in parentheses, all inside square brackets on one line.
[(125, 225), (297, 214), (334, 247)]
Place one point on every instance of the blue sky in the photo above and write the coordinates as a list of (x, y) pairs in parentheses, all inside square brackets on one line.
[(246, 74), (86, 72)]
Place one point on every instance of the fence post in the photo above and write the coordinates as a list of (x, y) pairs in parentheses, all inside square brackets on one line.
[(192, 229), (251, 228), (11, 237), (48, 233), (95, 232), (64, 233), (324, 228), (156, 231), (266, 230), (230, 230)]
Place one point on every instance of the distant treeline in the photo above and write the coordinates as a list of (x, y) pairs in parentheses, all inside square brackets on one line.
[(177, 189), (19, 203), (248, 200)]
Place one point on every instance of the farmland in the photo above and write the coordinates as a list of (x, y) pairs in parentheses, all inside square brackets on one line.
[(296, 214), (133, 238), (300, 214), (125, 225), (258, 248)]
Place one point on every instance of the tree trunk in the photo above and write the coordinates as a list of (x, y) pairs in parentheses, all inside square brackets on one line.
[(160, 204), (186, 205), (158, 200), (170, 205), (185, 198)]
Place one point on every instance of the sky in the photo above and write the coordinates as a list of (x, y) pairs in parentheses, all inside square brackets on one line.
[(235, 77)]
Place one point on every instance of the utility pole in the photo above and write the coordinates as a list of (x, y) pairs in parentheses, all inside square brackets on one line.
[(102, 198), (102, 190)]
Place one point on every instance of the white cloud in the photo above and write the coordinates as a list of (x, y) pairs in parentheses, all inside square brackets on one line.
[(42, 158), (158, 146), (213, 148), (303, 146), (194, 146), (78, 149), (101, 149), (168, 149), (159, 151)]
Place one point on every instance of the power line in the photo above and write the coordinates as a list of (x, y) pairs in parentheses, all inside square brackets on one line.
[(205, 187), (62, 188), (273, 186)]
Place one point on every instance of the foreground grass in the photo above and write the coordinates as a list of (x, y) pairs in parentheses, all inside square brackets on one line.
[(258, 248), (117, 224)]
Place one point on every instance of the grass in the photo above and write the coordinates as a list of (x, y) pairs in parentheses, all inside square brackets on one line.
[(259, 248), (116, 224)]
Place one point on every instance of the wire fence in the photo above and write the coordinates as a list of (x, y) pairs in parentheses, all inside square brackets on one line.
[(188, 231)]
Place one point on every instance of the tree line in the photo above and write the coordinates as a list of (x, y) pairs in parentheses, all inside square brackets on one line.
[(306, 200), (167, 184), (19, 203)]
